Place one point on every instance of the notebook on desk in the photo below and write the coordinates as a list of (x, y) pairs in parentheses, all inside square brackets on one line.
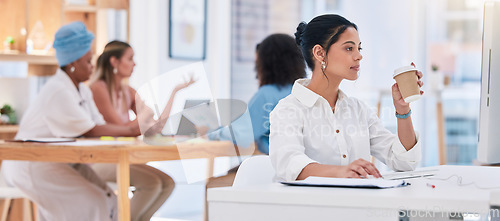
[(347, 182)]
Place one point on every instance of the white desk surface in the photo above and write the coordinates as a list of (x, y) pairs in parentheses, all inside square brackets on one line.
[(447, 196)]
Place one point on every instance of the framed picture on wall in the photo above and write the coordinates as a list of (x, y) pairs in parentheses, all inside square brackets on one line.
[(187, 29)]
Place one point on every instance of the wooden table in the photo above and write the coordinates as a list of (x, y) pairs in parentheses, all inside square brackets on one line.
[(121, 153)]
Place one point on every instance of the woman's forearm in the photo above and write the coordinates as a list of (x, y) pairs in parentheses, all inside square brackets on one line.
[(406, 133), (166, 111), (316, 169), (133, 123), (159, 124), (113, 130)]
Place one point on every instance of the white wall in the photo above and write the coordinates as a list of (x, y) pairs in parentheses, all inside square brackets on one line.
[(149, 37), (18, 93), (389, 38)]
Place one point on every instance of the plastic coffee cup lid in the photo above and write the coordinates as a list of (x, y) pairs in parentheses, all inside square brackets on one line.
[(403, 70), (412, 98)]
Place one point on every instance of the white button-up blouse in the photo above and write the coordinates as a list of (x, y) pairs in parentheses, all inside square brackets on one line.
[(304, 130), (60, 110)]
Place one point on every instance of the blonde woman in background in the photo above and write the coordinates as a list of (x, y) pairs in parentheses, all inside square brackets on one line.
[(114, 98)]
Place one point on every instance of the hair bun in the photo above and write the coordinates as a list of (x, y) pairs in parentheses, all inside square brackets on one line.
[(300, 32)]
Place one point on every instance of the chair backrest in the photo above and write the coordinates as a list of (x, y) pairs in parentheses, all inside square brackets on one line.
[(254, 171)]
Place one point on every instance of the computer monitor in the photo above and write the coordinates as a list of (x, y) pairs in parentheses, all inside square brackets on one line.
[(488, 149)]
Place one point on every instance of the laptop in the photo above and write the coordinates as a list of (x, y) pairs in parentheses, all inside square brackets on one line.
[(203, 112), (186, 127)]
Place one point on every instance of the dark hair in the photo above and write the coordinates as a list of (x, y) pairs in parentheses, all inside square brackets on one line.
[(323, 30), (279, 61)]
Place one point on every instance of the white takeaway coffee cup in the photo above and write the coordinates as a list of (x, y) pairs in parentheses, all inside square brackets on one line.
[(407, 79)]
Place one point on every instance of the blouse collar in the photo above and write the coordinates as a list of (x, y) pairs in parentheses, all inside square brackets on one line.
[(307, 97)]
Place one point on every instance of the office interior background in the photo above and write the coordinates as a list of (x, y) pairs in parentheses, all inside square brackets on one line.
[(442, 37)]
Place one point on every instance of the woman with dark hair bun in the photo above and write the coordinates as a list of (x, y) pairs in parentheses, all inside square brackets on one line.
[(318, 130)]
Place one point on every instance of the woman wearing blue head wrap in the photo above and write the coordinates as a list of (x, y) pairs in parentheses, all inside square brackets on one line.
[(65, 108)]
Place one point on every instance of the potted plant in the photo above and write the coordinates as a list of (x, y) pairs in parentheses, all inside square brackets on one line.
[(8, 115), (436, 78), (8, 44)]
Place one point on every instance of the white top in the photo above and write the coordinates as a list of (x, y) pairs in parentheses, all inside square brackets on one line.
[(304, 130), (60, 110)]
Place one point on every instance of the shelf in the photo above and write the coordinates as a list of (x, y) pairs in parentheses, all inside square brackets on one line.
[(116, 4), (8, 131), (31, 59), (24, 17), (9, 128), (80, 8)]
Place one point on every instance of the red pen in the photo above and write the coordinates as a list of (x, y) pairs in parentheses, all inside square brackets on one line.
[(431, 186)]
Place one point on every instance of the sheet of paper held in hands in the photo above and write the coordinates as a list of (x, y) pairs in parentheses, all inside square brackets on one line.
[(347, 182)]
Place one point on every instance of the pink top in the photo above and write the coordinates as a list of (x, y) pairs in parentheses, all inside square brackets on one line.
[(122, 105)]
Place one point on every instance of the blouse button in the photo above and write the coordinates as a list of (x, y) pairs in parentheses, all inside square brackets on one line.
[(344, 156), (338, 131)]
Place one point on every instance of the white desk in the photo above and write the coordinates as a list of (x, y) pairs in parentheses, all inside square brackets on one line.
[(279, 202)]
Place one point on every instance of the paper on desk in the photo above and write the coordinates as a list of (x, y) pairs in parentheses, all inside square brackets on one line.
[(95, 143), (347, 182), (45, 140)]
